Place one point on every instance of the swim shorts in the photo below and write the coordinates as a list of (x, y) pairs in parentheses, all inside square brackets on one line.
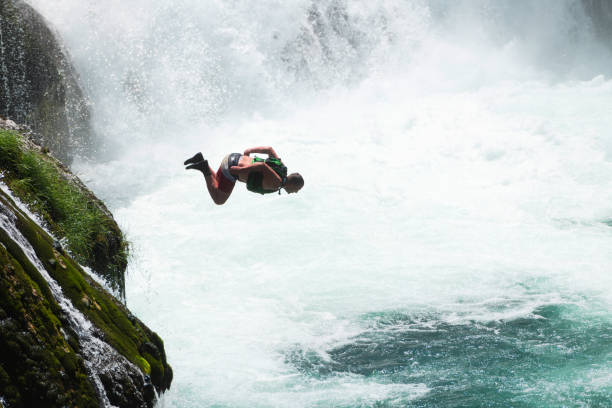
[(226, 179)]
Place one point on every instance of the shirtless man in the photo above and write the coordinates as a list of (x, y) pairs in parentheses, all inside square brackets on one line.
[(261, 176)]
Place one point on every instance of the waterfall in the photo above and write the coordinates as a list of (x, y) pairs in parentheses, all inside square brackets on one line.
[(450, 245)]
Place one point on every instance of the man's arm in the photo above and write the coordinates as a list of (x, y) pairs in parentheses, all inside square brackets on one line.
[(271, 179), (263, 149), (244, 171)]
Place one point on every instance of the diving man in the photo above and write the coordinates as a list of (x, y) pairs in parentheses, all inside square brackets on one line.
[(261, 176)]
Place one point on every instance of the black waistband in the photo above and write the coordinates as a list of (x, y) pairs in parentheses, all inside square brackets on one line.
[(234, 158)]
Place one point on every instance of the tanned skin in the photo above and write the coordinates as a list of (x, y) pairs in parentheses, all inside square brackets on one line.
[(271, 180)]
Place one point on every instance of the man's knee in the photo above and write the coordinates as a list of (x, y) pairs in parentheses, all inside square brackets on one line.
[(220, 199)]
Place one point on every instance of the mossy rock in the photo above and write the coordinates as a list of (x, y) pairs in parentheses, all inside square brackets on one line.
[(48, 347), (33, 324), (38, 367), (69, 209)]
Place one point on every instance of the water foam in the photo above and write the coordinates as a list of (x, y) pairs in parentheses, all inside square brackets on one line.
[(457, 166)]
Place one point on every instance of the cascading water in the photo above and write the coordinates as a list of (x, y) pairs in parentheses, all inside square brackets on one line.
[(451, 246), (99, 357)]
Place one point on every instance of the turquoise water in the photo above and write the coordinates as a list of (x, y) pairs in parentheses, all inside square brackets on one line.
[(451, 247), (555, 357)]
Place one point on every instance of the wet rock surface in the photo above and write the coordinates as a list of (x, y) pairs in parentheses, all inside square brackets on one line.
[(38, 85), (65, 340)]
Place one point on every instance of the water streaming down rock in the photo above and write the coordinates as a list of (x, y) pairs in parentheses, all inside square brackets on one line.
[(117, 381), (68, 341)]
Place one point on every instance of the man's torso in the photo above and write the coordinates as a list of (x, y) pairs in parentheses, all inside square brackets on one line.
[(268, 181)]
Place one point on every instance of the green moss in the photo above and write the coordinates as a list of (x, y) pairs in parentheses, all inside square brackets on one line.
[(70, 363), (10, 151), (91, 234), (144, 365), (16, 252), (32, 370), (89, 231), (157, 369), (121, 330)]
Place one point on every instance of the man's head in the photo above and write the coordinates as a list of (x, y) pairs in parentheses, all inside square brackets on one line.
[(294, 183)]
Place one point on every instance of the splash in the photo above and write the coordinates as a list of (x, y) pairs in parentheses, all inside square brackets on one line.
[(457, 159)]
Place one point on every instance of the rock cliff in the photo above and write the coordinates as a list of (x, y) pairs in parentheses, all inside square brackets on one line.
[(66, 341), (38, 86)]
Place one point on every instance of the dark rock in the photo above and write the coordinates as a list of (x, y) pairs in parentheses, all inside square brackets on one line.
[(98, 242), (149, 391), (48, 357), (58, 247), (124, 386), (150, 348), (39, 86)]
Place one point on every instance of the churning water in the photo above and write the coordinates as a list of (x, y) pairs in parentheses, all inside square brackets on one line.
[(452, 244)]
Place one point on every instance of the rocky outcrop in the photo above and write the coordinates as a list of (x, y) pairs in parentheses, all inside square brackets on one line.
[(38, 85), (65, 340), (70, 210)]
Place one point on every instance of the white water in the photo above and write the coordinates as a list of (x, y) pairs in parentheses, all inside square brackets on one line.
[(457, 159)]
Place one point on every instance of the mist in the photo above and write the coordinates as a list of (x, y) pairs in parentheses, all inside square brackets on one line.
[(451, 244)]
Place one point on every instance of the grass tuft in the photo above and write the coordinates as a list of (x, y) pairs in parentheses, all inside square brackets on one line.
[(90, 234)]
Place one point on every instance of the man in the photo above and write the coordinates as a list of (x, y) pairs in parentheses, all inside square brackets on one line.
[(261, 176)]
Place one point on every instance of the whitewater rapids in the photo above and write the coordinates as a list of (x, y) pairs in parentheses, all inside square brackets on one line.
[(451, 246)]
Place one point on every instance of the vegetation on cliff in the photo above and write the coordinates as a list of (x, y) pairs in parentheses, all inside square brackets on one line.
[(65, 340), (39, 366), (67, 207), (42, 365)]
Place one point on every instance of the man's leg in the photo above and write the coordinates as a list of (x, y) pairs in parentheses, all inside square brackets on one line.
[(218, 186)]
